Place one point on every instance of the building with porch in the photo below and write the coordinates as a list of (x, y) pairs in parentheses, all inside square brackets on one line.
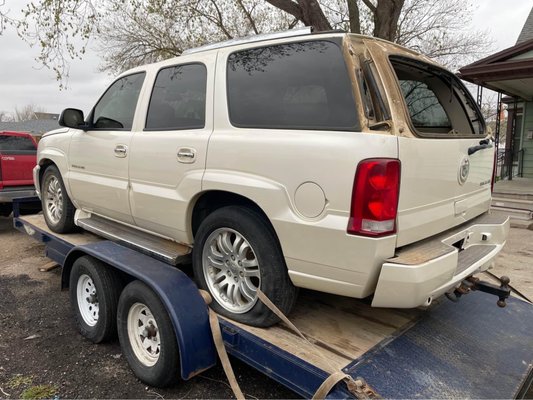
[(510, 73)]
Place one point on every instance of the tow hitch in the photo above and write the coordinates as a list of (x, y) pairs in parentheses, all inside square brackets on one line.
[(471, 283)]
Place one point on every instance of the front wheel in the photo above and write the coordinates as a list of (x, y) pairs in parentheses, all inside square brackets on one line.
[(58, 210), (146, 336), (235, 253)]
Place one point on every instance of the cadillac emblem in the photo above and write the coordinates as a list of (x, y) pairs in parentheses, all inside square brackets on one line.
[(464, 169)]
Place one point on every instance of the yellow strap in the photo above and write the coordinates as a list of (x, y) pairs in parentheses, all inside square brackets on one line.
[(328, 384), (221, 349)]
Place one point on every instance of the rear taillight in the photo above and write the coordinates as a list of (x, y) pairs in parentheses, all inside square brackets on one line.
[(375, 197)]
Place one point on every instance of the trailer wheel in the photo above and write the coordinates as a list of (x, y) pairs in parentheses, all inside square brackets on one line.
[(235, 253), (58, 210), (5, 209), (146, 336), (94, 292)]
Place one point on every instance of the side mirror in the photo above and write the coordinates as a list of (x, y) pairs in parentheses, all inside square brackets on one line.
[(72, 118)]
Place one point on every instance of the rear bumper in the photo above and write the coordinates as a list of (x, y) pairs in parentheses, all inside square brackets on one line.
[(8, 194), (426, 270)]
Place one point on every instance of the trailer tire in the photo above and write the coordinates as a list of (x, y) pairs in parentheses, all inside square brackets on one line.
[(5, 209), (147, 336), (236, 251), (58, 210), (94, 292)]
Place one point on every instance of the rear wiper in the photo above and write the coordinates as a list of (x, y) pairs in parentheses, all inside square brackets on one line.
[(483, 144)]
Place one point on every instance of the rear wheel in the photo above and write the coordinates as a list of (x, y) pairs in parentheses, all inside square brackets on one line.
[(235, 253), (146, 336), (94, 292), (58, 210)]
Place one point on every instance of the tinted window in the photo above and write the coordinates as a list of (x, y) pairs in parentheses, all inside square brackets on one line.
[(423, 105), (178, 98), (16, 145), (292, 86), (116, 108)]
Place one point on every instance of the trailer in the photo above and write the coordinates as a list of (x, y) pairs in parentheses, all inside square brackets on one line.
[(469, 349)]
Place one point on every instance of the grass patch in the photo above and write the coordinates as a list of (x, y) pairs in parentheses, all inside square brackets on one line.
[(18, 381), (39, 392)]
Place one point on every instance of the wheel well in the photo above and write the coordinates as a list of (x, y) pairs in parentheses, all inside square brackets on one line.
[(44, 164), (73, 256), (213, 200)]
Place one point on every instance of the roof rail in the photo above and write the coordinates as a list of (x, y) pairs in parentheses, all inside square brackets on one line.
[(251, 39)]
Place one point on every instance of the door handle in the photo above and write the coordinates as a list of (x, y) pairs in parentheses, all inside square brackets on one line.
[(186, 155), (121, 150)]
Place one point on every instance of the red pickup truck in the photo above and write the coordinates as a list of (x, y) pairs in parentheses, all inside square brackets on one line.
[(18, 155)]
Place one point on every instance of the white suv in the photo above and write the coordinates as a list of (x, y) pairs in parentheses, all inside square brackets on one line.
[(333, 162)]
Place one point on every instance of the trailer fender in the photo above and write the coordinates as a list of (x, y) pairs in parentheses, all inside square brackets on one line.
[(186, 307)]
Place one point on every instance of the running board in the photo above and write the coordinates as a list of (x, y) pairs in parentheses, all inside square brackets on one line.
[(162, 249)]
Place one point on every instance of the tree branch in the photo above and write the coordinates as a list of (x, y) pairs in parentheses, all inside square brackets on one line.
[(370, 6), (289, 7)]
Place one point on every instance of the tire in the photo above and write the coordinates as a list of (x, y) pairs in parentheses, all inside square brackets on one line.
[(5, 209), (58, 210), (94, 292), (157, 365), (257, 263)]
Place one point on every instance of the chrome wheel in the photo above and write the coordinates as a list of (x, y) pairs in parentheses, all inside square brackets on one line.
[(53, 200), (231, 270), (87, 300), (143, 334)]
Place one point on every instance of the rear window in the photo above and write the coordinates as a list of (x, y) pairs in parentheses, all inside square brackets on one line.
[(436, 100), (423, 104), (16, 145), (301, 85)]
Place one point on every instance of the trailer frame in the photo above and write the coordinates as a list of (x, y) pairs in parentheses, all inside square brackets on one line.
[(392, 367)]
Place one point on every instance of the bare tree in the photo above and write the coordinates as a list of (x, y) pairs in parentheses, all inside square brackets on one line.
[(5, 20), (137, 33), (133, 32), (6, 116), (27, 112)]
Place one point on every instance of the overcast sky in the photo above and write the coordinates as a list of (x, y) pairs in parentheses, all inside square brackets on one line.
[(23, 82)]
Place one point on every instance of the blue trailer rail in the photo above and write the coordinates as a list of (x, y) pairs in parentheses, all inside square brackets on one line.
[(472, 349)]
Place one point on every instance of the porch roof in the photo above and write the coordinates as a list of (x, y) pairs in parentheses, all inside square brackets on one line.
[(509, 71)]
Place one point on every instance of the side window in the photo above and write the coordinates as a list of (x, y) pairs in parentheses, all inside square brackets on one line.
[(302, 85), (16, 145), (424, 106), (178, 98), (116, 108)]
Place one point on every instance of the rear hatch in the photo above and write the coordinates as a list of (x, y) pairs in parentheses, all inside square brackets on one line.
[(17, 158), (447, 163), (446, 157)]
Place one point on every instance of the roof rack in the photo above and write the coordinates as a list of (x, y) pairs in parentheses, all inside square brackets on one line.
[(251, 39)]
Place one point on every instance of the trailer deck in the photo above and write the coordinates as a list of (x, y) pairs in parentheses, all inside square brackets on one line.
[(471, 349)]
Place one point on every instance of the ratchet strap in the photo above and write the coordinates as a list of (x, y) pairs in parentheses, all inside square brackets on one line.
[(221, 349), (358, 387)]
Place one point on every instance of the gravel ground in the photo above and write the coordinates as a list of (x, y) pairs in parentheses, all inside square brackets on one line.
[(40, 346)]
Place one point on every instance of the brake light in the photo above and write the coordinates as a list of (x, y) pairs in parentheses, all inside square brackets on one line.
[(375, 197)]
